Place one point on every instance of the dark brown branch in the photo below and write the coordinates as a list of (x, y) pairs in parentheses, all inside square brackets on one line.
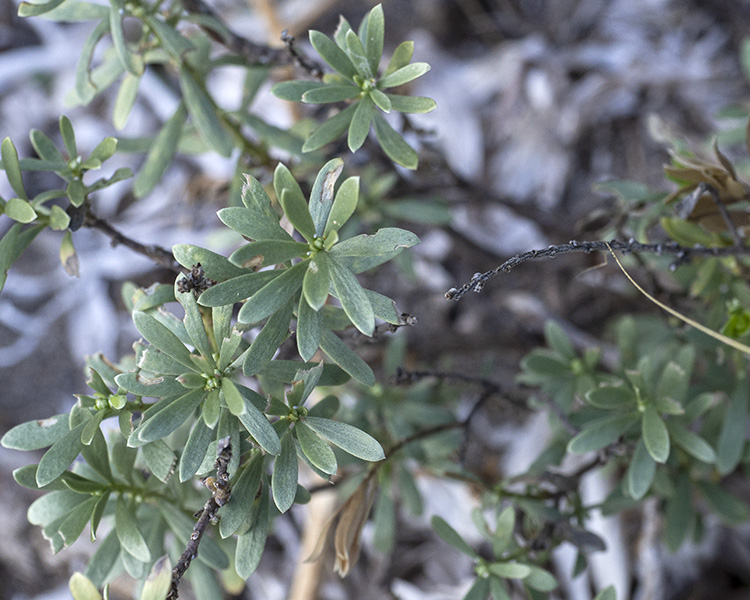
[(220, 496), (683, 254), (254, 54), (161, 256)]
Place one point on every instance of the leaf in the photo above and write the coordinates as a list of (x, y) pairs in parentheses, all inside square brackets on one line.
[(330, 130), (234, 401), (673, 383), (373, 37), (270, 252), (257, 424), (193, 321), (13, 170), (82, 588), (74, 523), (250, 545), (359, 127), (343, 356), (607, 593), (68, 255), (195, 450), (8, 245), (29, 9), (393, 144), (160, 460), (731, 443), (34, 435), (236, 289), (364, 252), (162, 338), (315, 449), (285, 371), (321, 197), (171, 40), (381, 100), (170, 418), (160, 154), (57, 459), (316, 281), (610, 397), (253, 224), (403, 75), (352, 296), (332, 54), (295, 209), (641, 471), (691, 443), (411, 104), (159, 580), (541, 580), (729, 508), (450, 535), (356, 53), (331, 93), (350, 439), (293, 90), (235, 515), (602, 432), (159, 387), (274, 295), (20, 210), (510, 570), (309, 329), (655, 435), (204, 114), (126, 525), (679, 514), (130, 62), (285, 472), (344, 205)]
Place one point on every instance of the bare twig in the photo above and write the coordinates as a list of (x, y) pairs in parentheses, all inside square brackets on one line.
[(683, 254), (254, 54), (161, 256), (220, 496), (711, 191)]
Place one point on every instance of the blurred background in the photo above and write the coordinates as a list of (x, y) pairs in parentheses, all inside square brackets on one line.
[(538, 101)]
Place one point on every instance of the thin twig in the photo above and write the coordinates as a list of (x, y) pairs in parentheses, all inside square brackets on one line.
[(161, 256), (711, 191), (219, 497), (254, 54), (683, 254)]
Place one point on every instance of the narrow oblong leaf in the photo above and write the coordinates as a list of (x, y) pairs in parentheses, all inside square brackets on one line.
[(356, 53), (403, 75), (315, 449), (285, 472), (215, 266), (194, 324), (691, 443), (267, 342), (331, 93), (257, 424), (316, 281), (344, 205), (204, 114), (182, 525), (125, 100), (126, 525), (167, 420), (253, 224), (321, 196), (12, 168), (130, 61), (195, 449), (641, 471), (57, 459), (411, 104), (359, 128), (237, 289), (601, 433), (400, 58), (162, 338), (268, 252), (160, 153), (20, 210), (353, 298), (450, 535), (250, 545), (330, 130), (655, 434), (293, 90), (363, 252), (309, 329), (236, 514), (34, 435), (374, 33), (159, 580), (234, 400), (393, 144), (381, 100), (273, 295), (297, 213), (346, 358), (332, 54), (350, 439), (30, 9), (731, 444), (82, 588)]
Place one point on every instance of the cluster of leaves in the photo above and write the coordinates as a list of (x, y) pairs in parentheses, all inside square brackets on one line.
[(192, 369)]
